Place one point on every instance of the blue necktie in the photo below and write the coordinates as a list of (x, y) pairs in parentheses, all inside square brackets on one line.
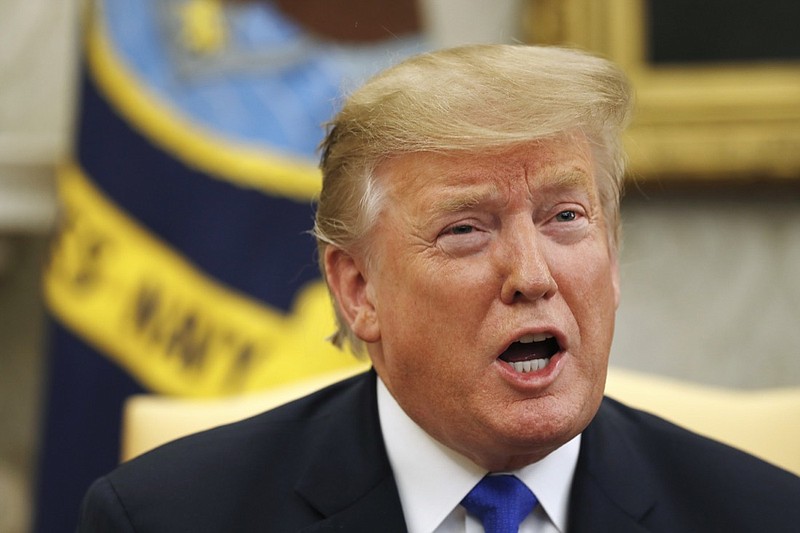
[(501, 502)]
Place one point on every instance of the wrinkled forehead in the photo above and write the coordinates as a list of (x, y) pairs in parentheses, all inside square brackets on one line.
[(520, 169)]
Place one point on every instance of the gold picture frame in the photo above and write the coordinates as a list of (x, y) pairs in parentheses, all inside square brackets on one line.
[(732, 120)]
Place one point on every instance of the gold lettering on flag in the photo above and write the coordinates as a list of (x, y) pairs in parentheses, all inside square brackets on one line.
[(173, 327)]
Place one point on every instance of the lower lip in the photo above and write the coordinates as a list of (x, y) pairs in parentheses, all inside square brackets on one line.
[(533, 380)]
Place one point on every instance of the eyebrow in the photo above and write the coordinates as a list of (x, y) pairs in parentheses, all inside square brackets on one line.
[(572, 179), (463, 200)]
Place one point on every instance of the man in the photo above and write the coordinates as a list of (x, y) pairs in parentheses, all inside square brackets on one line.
[(468, 232)]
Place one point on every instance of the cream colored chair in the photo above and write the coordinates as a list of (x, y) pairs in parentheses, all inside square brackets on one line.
[(765, 423)]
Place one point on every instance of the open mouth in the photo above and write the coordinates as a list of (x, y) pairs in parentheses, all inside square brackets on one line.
[(531, 352)]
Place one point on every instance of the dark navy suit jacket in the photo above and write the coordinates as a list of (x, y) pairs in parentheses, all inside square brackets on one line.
[(319, 464)]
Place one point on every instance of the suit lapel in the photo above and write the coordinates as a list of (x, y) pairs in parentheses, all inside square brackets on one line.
[(349, 480), (368, 513), (610, 491)]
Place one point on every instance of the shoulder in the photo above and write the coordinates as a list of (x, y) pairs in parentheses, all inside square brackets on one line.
[(678, 448), (245, 469), (673, 440), (687, 471)]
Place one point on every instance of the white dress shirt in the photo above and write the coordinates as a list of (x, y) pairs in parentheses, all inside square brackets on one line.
[(433, 479)]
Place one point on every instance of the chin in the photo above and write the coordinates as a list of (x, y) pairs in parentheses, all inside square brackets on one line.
[(550, 422)]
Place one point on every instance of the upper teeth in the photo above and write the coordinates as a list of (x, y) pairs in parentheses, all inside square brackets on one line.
[(537, 337)]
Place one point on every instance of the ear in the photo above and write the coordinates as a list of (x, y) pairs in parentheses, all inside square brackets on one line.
[(353, 293)]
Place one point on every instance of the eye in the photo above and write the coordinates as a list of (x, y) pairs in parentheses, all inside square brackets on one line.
[(566, 216), (464, 238), (461, 229)]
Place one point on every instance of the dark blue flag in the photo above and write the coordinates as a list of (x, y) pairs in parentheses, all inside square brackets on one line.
[(182, 264)]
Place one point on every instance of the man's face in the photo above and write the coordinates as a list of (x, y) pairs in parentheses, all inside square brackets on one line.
[(491, 293)]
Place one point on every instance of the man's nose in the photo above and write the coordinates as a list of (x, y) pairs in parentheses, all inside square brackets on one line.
[(527, 274)]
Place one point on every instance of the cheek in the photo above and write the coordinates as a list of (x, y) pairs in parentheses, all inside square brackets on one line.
[(587, 266), (431, 316), (588, 283), (444, 295)]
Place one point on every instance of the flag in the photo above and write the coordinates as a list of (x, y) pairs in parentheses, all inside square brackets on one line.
[(183, 264)]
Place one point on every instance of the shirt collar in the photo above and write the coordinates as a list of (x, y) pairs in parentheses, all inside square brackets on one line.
[(432, 479)]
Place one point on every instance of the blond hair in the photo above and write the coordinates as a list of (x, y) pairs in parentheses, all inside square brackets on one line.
[(470, 98)]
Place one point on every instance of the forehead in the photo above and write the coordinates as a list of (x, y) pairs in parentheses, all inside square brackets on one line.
[(466, 177)]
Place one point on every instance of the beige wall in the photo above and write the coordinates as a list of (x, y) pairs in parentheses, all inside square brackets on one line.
[(711, 285), (37, 53), (21, 373)]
